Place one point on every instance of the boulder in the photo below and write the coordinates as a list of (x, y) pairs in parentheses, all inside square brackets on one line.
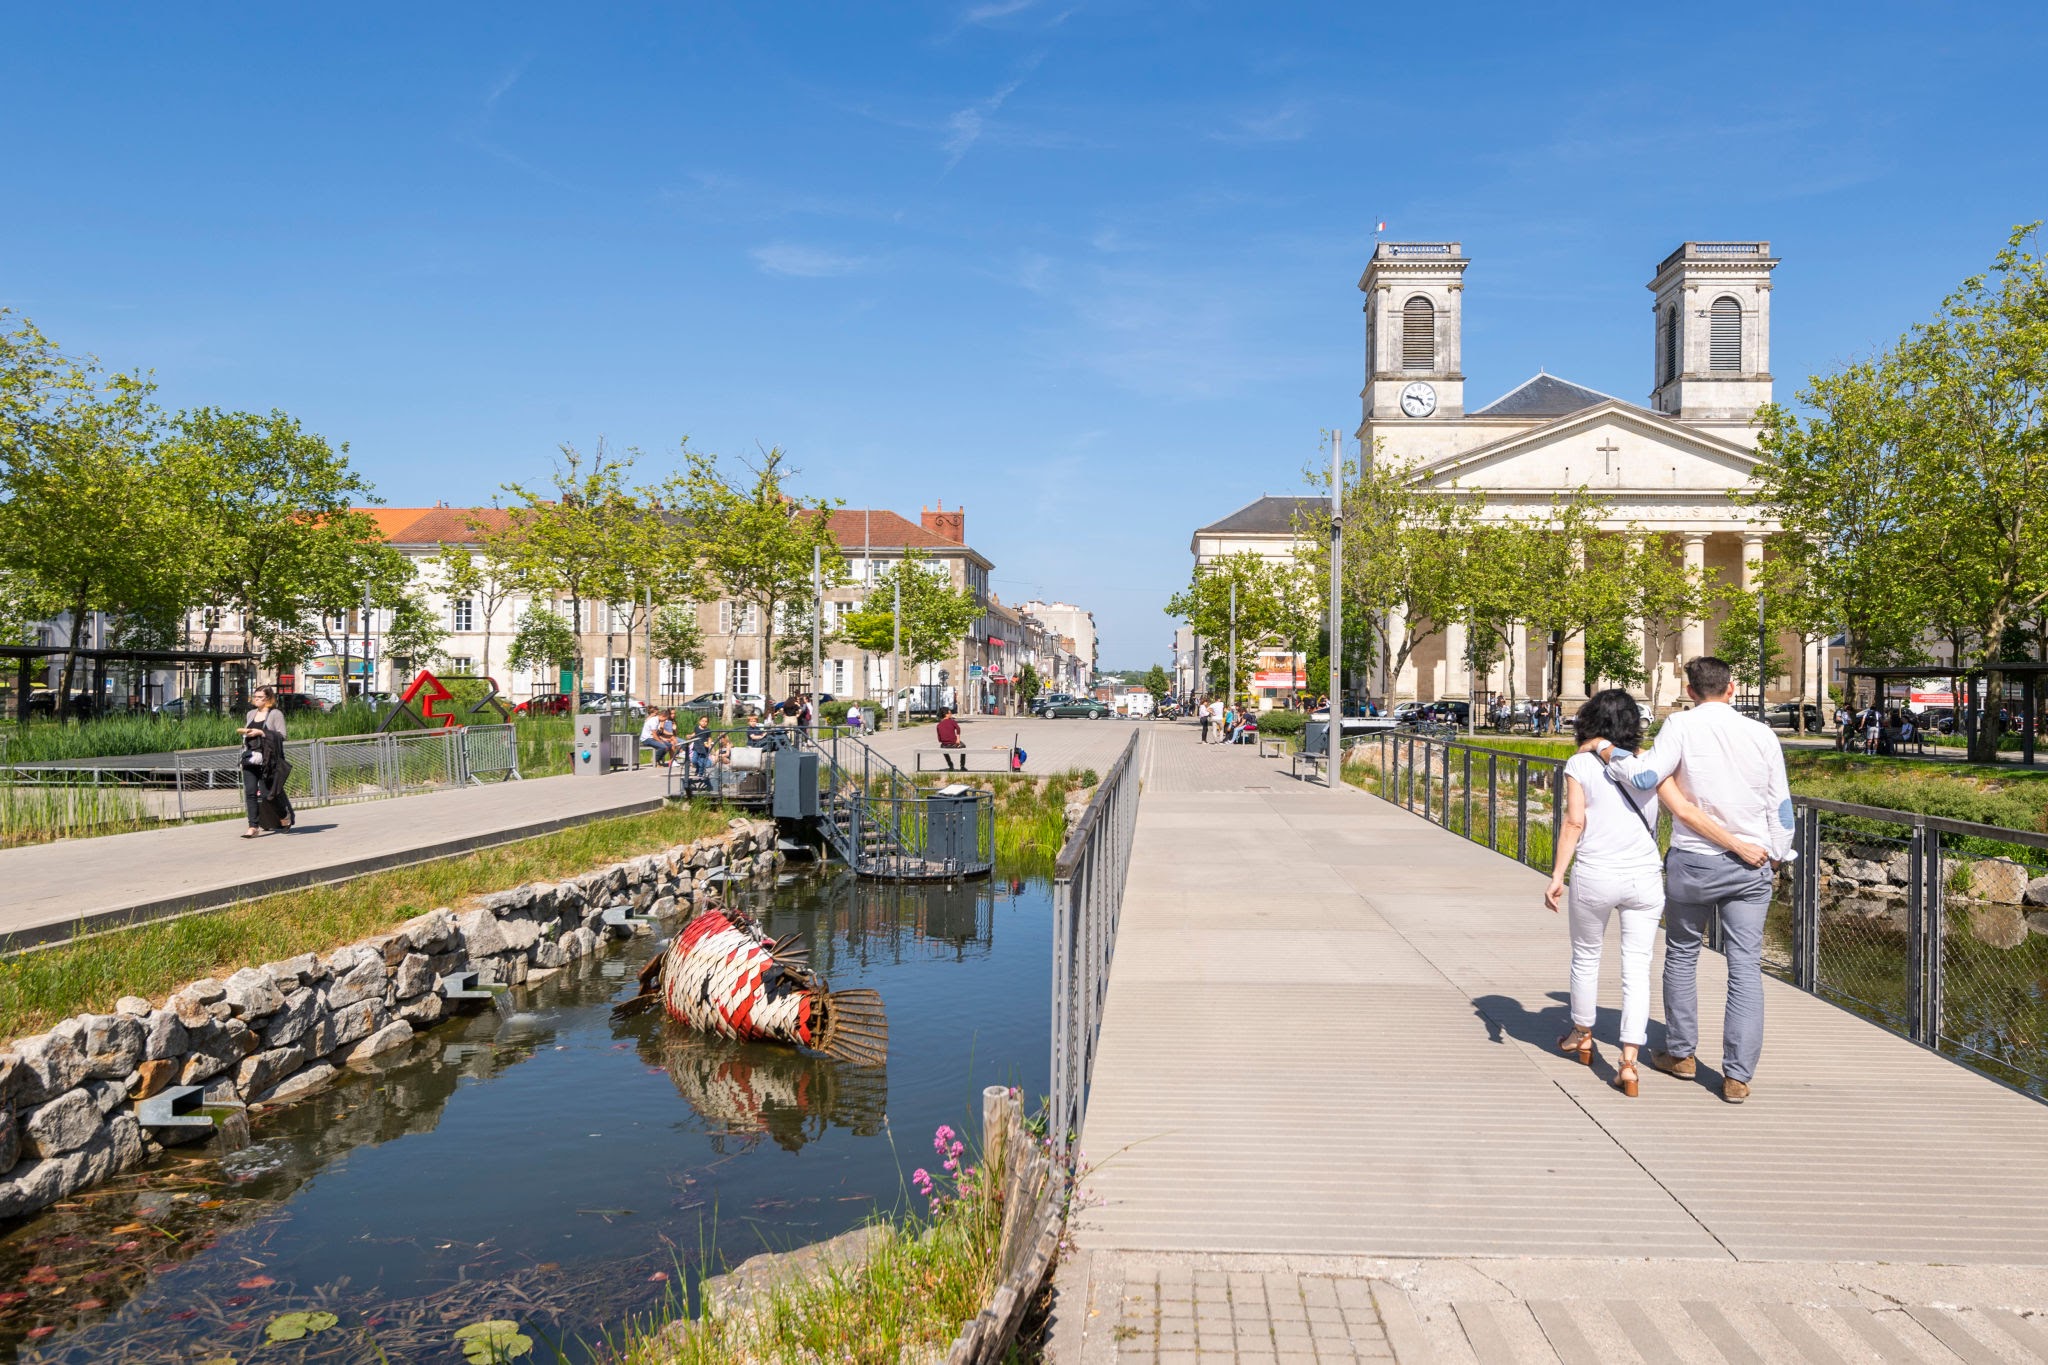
[(2000, 880), (395, 1034), (365, 980), (62, 1125), (253, 994), (37, 1184), (113, 1044), (413, 977), (549, 954), (294, 972), (192, 1011), (244, 1039), (664, 907), (264, 1070), (390, 949), (1898, 868), (2000, 926), (481, 935), (10, 1140), (300, 1083), (358, 1021), (504, 902), (48, 1066), (422, 1010), (107, 1096), (203, 1063), (132, 1004), (518, 935), (152, 1076), (1865, 872), (295, 1020), (163, 1035), (2037, 891), (431, 932), (579, 942)]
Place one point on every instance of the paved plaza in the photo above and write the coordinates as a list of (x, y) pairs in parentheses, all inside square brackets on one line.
[(1328, 1123)]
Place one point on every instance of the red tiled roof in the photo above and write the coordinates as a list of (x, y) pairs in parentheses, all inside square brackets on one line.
[(853, 526), (433, 525)]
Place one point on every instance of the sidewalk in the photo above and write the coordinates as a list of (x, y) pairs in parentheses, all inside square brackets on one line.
[(1328, 1122), (59, 889)]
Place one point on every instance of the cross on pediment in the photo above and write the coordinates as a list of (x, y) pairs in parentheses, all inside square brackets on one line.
[(1607, 452)]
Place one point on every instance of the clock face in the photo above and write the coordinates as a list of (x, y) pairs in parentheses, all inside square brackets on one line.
[(1418, 399)]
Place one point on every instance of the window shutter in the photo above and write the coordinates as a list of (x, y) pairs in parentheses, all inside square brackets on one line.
[(1418, 335), (1670, 350), (1724, 337)]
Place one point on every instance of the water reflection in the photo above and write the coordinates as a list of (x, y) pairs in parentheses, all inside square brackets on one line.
[(544, 1162)]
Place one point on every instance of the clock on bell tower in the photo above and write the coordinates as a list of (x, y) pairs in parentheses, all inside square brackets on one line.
[(1414, 296)]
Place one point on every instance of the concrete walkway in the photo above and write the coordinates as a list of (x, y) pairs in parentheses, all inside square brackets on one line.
[(1051, 746), (54, 891), (1328, 1123)]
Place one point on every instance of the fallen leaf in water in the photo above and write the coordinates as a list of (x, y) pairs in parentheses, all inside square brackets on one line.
[(42, 1274), (10, 1297), (132, 1227), (240, 1300), (129, 1246), (85, 1305), (38, 1333), (658, 1277), (549, 1265), (239, 1326), (223, 1360), (256, 1282), (186, 1316), (213, 1203)]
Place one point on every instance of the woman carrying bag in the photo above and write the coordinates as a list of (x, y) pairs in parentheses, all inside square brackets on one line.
[(265, 768)]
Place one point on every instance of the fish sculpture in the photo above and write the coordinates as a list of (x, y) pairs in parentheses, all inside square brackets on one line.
[(723, 975)]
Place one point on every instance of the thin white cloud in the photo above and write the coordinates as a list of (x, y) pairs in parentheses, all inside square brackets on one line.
[(1288, 123), (994, 10), (797, 261), (506, 82), (966, 126)]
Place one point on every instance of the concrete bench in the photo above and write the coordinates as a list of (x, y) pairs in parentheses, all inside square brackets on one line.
[(964, 760), (1272, 748), (1314, 763)]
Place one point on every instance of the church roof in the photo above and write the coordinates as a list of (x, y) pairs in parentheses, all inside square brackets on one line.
[(1268, 516), (1545, 395)]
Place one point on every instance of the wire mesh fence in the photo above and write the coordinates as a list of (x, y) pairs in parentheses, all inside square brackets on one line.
[(1932, 927)]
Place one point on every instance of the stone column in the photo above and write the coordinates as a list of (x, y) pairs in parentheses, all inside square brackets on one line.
[(1752, 559), (1457, 663), (1518, 660), (1693, 639)]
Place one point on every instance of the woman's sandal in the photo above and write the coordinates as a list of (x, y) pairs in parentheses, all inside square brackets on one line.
[(1579, 1041), (1625, 1079)]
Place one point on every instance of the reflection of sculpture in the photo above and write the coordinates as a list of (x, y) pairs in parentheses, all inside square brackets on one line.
[(792, 1096), (724, 975)]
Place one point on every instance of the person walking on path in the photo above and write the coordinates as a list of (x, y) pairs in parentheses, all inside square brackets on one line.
[(1722, 774), (1202, 716), (1609, 842), (265, 768)]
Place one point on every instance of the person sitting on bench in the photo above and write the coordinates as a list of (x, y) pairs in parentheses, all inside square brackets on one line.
[(949, 738)]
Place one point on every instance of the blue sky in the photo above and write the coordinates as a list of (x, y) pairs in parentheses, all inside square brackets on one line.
[(1086, 267)]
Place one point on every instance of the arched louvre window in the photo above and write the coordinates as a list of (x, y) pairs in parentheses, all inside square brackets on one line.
[(1418, 335), (1668, 351), (1724, 337)]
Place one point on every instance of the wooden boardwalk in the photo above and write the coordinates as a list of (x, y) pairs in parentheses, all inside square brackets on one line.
[(1326, 1056)]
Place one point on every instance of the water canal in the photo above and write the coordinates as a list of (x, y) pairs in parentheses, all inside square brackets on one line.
[(546, 1164)]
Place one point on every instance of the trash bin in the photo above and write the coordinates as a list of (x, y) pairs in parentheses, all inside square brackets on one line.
[(952, 831), (796, 784)]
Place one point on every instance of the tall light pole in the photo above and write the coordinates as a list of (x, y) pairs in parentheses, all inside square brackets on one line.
[(1334, 736), (896, 653), (817, 610), (1231, 699), (1763, 654)]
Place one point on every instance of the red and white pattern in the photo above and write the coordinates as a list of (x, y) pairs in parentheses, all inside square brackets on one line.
[(721, 978)]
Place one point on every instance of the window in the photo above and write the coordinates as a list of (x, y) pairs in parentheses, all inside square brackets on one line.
[(1418, 335), (621, 619), (1667, 347), (465, 615), (619, 675), (841, 675), (749, 618), (742, 677), (675, 678), (460, 664), (1724, 336)]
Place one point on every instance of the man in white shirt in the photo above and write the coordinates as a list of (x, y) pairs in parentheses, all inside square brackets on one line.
[(1723, 775)]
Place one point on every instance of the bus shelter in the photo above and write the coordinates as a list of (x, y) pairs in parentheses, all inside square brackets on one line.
[(26, 657), (2020, 694)]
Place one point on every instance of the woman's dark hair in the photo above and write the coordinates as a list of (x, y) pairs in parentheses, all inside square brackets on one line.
[(1611, 715)]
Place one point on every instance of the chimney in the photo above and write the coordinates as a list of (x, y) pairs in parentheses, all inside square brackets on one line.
[(952, 525)]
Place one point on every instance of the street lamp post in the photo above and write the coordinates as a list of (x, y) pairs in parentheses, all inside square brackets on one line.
[(1231, 699), (1334, 736), (1763, 654)]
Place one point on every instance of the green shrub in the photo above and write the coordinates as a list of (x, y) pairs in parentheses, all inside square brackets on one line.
[(834, 712), (1277, 722)]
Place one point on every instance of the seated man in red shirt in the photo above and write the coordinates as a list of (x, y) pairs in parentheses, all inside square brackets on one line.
[(949, 736)]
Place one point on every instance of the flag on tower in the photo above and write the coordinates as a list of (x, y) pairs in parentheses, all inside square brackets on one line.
[(1382, 227)]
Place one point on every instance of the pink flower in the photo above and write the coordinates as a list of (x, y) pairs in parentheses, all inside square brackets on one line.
[(922, 1179)]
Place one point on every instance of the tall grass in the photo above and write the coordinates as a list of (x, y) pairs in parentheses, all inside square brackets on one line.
[(1030, 812), (39, 814), (46, 741), (41, 986)]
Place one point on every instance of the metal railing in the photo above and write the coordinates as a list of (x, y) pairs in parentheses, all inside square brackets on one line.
[(352, 768), (1087, 901), (1917, 922), (881, 821)]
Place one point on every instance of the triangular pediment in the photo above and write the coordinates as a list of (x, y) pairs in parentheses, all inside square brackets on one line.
[(1611, 447)]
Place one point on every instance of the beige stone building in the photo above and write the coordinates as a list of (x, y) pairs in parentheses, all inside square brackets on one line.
[(1670, 468)]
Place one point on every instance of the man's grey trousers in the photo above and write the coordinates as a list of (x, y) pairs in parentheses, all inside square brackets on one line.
[(1695, 886)]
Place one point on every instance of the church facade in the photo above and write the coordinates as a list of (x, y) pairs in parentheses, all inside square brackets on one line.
[(1669, 468)]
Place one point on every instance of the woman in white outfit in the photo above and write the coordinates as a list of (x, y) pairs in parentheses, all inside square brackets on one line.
[(1609, 830)]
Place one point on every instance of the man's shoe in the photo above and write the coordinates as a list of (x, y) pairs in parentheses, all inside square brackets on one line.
[(1685, 1068), (1734, 1091)]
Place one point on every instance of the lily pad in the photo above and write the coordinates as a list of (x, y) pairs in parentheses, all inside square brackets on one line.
[(292, 1326), (493, 1342)]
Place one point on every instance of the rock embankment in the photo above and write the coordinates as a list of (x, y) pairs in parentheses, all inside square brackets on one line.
[(269, 1034), (2003, 902)]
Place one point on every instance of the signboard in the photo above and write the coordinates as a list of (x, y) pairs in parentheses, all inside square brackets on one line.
[(428, 691), (1277, 678), (1919, 698)]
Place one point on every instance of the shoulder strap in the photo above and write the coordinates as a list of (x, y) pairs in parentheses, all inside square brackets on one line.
[(1628, 795)]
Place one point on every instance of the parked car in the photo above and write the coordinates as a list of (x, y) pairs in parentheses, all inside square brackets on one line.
[(302, 703), (1080, 706), (613, 703), (1785, 716), (711, 703), (545, 704), (1044, 704)]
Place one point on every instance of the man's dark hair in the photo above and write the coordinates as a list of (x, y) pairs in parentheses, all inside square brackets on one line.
[(1708, 676), (1611, 715)]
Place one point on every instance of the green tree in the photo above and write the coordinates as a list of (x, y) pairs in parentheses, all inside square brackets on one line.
[(936, 616), (483, 580), (753, 542), (1157, 683), (1029, 684), (566, 540), (414, 639), (543, 639), (678, 637), (1232, 595)]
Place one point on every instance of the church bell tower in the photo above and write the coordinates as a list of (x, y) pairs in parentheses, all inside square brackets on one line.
[(1713, 331), (1414, 296)]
